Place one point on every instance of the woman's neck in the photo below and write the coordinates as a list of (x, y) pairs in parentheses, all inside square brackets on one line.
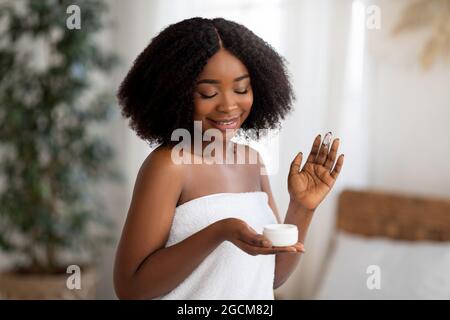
[(210, 149)]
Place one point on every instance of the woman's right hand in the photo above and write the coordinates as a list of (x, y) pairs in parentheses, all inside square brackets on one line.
[(247, 239)]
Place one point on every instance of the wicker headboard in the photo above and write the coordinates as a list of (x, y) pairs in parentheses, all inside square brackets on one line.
[(397, 216)]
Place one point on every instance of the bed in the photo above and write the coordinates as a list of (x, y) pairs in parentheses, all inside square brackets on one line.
[(388, 245)]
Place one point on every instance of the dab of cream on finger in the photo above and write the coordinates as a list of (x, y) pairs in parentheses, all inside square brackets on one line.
[(327, 139)]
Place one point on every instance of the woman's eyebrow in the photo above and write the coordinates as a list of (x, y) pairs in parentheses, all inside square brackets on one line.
[(213, 81)]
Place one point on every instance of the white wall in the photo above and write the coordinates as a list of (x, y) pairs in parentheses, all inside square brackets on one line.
[(409, 111), (410, 130)]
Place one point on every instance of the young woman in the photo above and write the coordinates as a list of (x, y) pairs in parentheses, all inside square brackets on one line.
[(193, 230)]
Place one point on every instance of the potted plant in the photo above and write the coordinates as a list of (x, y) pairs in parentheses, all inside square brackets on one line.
[(50, 158)]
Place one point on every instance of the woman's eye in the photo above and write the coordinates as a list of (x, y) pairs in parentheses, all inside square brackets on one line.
[(204, 96), (242, 92)]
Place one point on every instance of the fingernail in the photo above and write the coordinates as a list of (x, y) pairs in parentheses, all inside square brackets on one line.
[(266, 243)]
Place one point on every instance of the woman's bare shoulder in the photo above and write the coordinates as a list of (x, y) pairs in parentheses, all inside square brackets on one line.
[(160, 161)]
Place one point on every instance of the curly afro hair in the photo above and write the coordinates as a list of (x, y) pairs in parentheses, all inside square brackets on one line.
[(157, 92)]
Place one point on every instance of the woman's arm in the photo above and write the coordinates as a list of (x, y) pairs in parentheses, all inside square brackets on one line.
[(307, 188), (285, 264), (144, 268), (165, 269), (146, 230)]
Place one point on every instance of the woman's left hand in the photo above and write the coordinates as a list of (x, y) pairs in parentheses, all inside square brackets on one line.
[(309, 186)]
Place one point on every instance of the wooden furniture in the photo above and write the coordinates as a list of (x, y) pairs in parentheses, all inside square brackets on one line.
[(394, 215)]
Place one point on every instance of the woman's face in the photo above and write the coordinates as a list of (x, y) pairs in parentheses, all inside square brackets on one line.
[(223, 95)]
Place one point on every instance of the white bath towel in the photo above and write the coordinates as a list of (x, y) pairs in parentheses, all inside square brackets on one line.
[(228, 272)]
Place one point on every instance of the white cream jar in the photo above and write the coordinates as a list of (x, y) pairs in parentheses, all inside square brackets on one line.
[(281, 235)]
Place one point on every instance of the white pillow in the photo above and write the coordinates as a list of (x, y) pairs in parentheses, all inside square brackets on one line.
[(408, 270)]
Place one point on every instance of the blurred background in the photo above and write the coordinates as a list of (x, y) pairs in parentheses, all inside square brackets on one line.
[(374, 73)]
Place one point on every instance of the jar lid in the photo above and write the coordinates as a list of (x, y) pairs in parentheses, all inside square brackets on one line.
[(280, 228)]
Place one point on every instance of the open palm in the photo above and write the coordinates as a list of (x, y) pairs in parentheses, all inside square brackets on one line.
[(309, 186)]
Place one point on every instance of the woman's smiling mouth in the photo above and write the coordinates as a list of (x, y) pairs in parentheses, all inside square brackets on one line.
[(225, 124)]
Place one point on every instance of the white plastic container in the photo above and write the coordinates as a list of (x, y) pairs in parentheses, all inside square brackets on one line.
[(281, 235)]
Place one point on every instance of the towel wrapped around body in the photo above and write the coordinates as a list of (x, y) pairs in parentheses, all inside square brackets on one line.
[(228, 273)]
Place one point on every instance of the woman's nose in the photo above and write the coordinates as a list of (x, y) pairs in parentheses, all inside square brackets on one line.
[(227, 104)]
